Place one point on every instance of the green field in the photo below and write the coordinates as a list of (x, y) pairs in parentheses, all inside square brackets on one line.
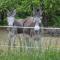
[(32, 55), (47, 50)]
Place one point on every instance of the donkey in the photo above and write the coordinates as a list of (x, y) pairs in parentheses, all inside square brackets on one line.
[(28, 22), (34, 21), (12, 30)]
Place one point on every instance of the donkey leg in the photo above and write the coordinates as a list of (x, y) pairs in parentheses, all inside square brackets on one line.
[(9, 40), (14, 34), (20, 42), (13, 41)]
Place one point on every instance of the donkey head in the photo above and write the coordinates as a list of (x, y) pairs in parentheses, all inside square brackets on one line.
[(11, 17), (37, 20)]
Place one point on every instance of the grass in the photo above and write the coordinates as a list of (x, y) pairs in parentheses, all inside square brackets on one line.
[(30, 54), (46, 55)]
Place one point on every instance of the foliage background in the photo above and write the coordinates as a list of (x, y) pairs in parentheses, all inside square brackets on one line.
[(24, 8)]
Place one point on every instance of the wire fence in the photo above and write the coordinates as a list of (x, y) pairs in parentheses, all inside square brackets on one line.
[(48, 38), (46, 32), (29, 27)]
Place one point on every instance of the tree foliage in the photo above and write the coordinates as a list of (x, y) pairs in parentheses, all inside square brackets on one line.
[(24, 8), (51, 12)]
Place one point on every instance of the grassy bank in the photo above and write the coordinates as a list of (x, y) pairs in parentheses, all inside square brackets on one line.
[(32, 55)]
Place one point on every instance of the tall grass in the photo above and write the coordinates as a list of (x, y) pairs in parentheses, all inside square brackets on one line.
[(30, 55)]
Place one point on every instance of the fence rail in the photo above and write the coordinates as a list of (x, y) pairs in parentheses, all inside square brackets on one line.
[(48, 37), (29, 27)]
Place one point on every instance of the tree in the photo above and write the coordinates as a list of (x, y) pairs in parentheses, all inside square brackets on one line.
[(51, 9), (24, 8), (4, 6)]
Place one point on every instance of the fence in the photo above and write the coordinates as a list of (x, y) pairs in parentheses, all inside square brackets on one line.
[(27, 45)]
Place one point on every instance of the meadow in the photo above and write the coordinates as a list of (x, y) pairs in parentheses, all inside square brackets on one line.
[(45, 49), (32, 55)]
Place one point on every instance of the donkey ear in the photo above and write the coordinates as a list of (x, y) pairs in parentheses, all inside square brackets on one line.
[(41, 12), (14, 12), (8, 13)]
